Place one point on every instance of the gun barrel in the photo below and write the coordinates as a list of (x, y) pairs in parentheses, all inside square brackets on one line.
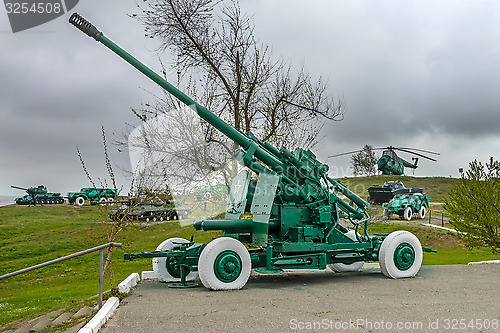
[(241, 225), (19, 188), (234, 134)]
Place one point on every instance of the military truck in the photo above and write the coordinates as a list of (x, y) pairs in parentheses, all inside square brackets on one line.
[(93, 195)]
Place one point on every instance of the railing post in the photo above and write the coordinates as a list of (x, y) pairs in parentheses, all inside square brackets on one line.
[(442, 219), (101, 276)]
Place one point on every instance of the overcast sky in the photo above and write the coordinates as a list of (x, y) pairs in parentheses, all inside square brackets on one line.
[(423, 74)]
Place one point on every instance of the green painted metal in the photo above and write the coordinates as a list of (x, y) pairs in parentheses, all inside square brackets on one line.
[(227, 266), (391, 164), (295, 206), (92, 194), (38, 196), (404, 256), (379, 194), (400, 202)]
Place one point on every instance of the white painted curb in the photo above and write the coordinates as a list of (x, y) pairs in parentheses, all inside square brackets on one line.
[(128, 283), (371, 265), (149, 275), (440, 227), (101, 316), (484, 262)]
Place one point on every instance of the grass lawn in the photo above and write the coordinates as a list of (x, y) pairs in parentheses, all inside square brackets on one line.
[(32, 235)]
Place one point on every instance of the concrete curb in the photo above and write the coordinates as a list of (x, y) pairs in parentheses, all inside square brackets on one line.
[(149, 275), (101, 316), (440, 227), (128, 283), (371, 265), (110, 306), (484, 262)]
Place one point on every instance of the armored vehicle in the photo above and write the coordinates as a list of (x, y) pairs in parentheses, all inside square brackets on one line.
[(93, 195), (38, 196), (405, 205), (147, 209), (378, 194), (295, 210)]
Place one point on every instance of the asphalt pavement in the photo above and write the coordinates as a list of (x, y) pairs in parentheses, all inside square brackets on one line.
[(455, 298)]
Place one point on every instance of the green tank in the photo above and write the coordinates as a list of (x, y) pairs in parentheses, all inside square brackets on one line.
[(147, 209), (38, 196)]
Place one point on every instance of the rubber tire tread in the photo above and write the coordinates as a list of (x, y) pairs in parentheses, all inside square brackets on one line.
[(159, 263), (386, 254), (207, 259)]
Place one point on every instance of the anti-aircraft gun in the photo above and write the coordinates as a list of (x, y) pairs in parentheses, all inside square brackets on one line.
[(296, 210)]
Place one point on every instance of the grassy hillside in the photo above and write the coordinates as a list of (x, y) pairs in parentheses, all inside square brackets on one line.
[(435, 187)]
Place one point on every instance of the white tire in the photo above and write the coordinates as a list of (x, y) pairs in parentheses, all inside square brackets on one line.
[(166, 270), (79, 201), (407, 214), (224, 264), (421, 212), (103, 201), (354, 267), (400, 255), (111, 200)]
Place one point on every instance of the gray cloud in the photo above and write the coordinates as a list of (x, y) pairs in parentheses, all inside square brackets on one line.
[(422, 74)]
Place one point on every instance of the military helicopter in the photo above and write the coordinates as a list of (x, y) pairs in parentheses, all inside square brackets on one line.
[(390, 163)]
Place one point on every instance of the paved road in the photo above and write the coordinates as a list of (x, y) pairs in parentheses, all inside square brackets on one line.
[(439, 299)]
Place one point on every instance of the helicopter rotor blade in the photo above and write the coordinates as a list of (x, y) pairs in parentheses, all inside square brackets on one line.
[(412, 152), (350, 152), (421, 150)]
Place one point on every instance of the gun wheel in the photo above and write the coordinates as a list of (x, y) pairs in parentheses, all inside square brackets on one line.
[(354, 267), (167, 269), (400, 255), (224, 264)]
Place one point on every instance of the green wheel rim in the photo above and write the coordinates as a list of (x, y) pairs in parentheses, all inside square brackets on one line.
[(173, 268), (227, 266), (404, 256)]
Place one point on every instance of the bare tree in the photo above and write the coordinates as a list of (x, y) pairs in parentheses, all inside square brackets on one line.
[(364, 162), (216, 52)]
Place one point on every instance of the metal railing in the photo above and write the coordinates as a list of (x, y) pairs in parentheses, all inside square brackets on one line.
[(99, 248), (440, 216)]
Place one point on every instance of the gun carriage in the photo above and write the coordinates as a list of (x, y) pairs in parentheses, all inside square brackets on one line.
[(295, 210)]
